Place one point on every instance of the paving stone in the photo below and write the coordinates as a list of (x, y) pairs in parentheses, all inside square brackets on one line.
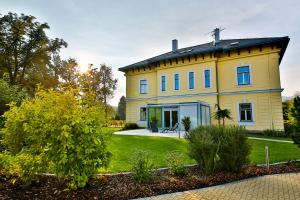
[(279, 186)]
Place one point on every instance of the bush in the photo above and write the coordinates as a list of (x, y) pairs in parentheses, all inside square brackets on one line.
[(130, 126), (142, 167), (186, 121), (296, 138), (274, 133), (175, 163), (219, 148), (57, 128)]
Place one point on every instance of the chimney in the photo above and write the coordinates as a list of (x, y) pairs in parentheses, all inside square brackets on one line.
[(174, 45), (216, 34)]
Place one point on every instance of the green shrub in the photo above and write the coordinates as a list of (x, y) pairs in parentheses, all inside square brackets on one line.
[(57, 130), (234, 150), (274, 133), (175, 163), (219, 148), (296, 138), (142, 167), (130, 126), (186, 121)]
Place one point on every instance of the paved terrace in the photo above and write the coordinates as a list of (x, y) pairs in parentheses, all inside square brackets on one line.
[(280, 186)]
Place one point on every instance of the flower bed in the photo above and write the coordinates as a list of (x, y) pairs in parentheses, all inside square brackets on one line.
[(121, 186)]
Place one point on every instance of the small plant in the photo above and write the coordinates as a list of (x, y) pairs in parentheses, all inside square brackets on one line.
[(274, 133), (186, 121), (142, 167), (130, 126), (222, 114), (296, 138), (175, 163)]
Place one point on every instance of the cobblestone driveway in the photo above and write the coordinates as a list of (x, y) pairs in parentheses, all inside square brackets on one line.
[(282, 186)]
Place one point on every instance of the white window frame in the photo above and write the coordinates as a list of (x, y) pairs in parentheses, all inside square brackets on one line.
[(250, 74), (146, 92), (178, 82), (209, 78), (140, 114), (161, 83), (188, 80), (245, 123)]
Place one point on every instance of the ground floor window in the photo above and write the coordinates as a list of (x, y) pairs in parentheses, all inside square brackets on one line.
[(245, 110), (143, 114)]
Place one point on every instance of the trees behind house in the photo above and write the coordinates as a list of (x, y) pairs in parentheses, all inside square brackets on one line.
[(27, 53), (122, 108)]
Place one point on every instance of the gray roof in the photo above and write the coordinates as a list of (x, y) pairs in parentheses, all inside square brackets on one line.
[(222, 46)]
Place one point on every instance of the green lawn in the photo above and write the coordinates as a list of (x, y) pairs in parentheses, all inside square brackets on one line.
[(269, 137), (122, 148)]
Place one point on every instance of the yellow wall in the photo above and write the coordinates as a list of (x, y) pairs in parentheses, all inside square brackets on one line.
[(264, 65)]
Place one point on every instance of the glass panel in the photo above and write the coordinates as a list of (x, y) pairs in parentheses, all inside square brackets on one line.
[(163, 83), (207, 78), (246, 78), (143, 114), (203, 113), (243, 69), (174, 117), (191, 80), (176, 77), (249, 116), (155, 114), (242, 115), (240, 79), (167, 119)]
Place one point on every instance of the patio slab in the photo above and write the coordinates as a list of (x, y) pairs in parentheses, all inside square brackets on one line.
[(146, 132)]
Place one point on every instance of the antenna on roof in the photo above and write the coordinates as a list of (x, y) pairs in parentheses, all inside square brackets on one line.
[(216, 34)]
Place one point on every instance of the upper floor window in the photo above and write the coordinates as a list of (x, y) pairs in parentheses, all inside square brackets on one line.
[(207, 78), (143, 112), (191, 80), (245, 110), (176, 81), (243, 75), (143, 86), (163, 83)]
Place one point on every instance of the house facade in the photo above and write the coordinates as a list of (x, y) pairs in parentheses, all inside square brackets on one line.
[(241, 75)]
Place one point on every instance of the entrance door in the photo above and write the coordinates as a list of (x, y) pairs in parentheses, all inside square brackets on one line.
[(170, 117)]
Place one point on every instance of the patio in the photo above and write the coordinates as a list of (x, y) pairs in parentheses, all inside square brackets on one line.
[(146, 132)]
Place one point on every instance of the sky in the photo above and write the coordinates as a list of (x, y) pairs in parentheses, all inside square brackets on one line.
[(121, 32)]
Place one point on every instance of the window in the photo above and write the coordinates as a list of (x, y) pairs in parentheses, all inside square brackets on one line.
[(191, 80), (207, 78), (143, 112), (243, 75), (163, 83), (245, 112), (143, 86), (176, 81)]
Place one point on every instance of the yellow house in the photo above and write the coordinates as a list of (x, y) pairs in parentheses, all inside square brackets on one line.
[(241, 75)]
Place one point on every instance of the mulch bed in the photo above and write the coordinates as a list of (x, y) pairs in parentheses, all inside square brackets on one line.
[(121, 186)]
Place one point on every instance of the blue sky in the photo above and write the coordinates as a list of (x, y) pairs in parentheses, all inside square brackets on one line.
[(119, 33)]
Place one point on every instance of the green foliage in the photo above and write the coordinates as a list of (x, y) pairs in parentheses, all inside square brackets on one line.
[(274, 133), (186, 121), (60, 129), (8, 94), (26, 52), (141, 167), (295, 109), (175, 163), (219, 148), (222, 114), (130, 126), (296, 138), (122, 108)]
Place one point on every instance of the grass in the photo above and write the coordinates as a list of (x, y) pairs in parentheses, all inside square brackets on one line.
[(269, 137), (123, 146)]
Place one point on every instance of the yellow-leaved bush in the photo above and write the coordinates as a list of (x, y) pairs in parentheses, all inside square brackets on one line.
[(60, 132)]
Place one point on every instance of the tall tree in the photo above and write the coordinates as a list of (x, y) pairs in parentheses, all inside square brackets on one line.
[(100, 81), (295, 110), (68, 72), (26, 52), (122, 108)]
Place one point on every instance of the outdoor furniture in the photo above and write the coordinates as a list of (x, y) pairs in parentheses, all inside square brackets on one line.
[(154, 128), (172, 129)]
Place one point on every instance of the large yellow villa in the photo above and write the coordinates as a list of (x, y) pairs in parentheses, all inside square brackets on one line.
[(241, 75)]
